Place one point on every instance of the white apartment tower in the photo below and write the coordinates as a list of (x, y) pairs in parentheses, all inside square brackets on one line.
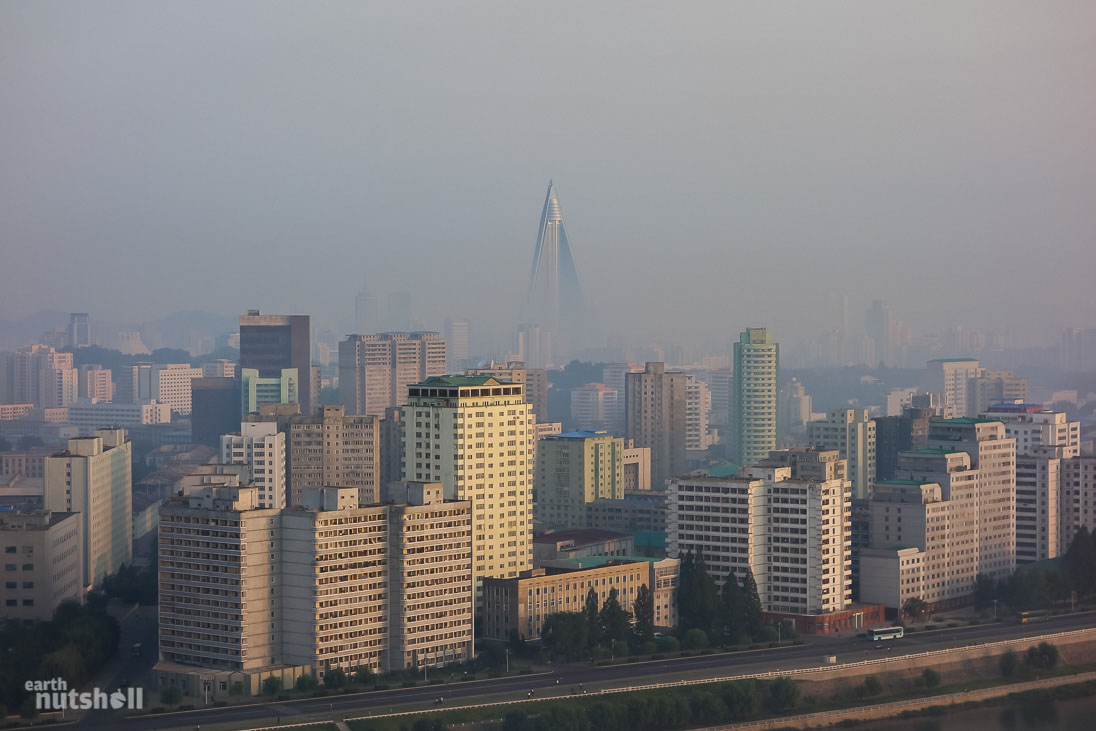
[(698, 409), (94, 477), (261, 447), (754, 410), (788, 520), (472, 434), (852, 433)]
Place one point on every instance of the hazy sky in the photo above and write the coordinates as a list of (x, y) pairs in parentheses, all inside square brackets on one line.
[(719, 164)]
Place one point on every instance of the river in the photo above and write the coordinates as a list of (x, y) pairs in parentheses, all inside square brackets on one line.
[(1076, 714)]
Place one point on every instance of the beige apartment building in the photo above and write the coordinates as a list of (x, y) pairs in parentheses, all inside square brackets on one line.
[(574, 469), (261, 447), (326, 584), (331, 449), (698, 410), (94, 477), (41, 563), (788, 520), (852, 433), (655, 415), (635, 465), (1078, 504), (535, 381), (40, 375), (472, 434), (96, 383), (594, 407), (165, 383), (522, 603), (375, 370)]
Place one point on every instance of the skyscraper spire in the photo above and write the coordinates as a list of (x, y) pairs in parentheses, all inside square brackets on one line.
[(555, 296)]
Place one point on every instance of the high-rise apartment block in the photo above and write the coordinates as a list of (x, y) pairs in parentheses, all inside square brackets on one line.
[(331, 449), (79, 330), (471, 433), (39, 375), (756, 367), (96, 383), (261, 447), (535, 381), (594, 407), (375, 370), (164, 383), (698, 409), (256, 390), (94, 477), (220, 368), (1045, 441), (966, 389), (272, 344), (635, 467), (613, 375), (214, 409), (852, 434), (655, 416), (1078, 500), (574, 469), (787, 520), (896, 434), (42, 563), (458, 334), (327, 584)]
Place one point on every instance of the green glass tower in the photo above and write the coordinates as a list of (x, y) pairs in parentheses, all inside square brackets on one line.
[(756, 365)]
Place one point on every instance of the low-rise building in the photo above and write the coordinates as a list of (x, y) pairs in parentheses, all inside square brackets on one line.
[(522, 603), (580, 542)]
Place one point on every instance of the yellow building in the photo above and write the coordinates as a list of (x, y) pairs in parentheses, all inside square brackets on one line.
[(574, 469)]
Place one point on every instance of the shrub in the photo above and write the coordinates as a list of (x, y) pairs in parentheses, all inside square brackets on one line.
[(307, 682), (872, 686), (1009, 663), (930, 678), (334, 678), (170, 695), (271, 686), (669, 644), (236, 689), (186, 707), (783, 694)]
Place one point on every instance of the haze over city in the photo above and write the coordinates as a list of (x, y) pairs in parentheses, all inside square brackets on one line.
[(718, 163)]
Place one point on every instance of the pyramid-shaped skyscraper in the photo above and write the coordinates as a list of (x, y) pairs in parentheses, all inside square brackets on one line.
[(555, 297)]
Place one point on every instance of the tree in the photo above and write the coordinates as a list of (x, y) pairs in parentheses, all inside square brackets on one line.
[(566, 633), (236, 689), (643, 609), (1042, 657), (783, 694), (669, 644), (363, 675), (170, 695), (985, 590), (930, 678), (751, 604), (514, 721), (29, 709), (613, 620), (334, 678), (730, 611), (29, 442), (1008, 663), (272, 686), (914, 607), (307, 682), (5, 446), (695, 639), (872, 686), (592, 613)]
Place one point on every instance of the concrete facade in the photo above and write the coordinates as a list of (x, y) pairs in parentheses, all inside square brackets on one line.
[(261, 447), (41, 563), (574, 469), (375, 370), (754, 411), (852, 433), (331, 449), (655, 418)]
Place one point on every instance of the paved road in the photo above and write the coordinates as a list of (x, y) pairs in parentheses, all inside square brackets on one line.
[(544, 685)]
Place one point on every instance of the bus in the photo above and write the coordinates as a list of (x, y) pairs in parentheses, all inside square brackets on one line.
[(886, 633), (1035, 615)]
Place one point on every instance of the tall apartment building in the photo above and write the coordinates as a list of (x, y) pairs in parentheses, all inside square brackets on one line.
[(261, 447), (574, 469), (950, 378), (698, 410), (220, 368), (327, 584), (164, 383), (754, 422), (390, 444), (39, 375), (852, 433), (471, 433), (458, 335), (655, 416), (1078, 501), (79, 330), (635, 465), (787, 520), (94, 477), (721, 383), (214, 409), (331, 449), (42, 563), (896, 434), (375, 370), (613, 375), (594, 408), (256, 390), (993, 455), (96, 383), (272, 344), (1045, 439), (535, 381)]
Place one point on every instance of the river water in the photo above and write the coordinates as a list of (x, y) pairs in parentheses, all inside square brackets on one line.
[(1077, 714)]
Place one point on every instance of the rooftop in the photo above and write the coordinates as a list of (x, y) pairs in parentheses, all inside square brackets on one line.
[(593, 562), (954, 360), (457, 380), (580, 536), (963, 420), (933, 450), (580, 434), (905, 482), (727, 469)]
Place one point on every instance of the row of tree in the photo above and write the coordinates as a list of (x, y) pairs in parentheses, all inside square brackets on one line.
[(727, 615), (73, 645), (1036, 587), (596, 629)]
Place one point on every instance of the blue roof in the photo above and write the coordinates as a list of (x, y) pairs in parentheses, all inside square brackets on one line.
[(580, 434)]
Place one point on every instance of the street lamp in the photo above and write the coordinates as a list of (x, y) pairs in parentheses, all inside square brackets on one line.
[(507, 660), (994, 610)]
